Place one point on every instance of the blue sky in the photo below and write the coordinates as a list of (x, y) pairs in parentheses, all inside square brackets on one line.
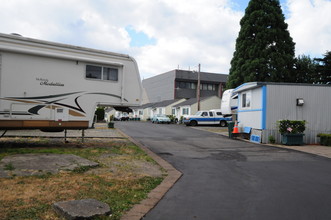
[(240, 4), (139, 38), (162, 35)]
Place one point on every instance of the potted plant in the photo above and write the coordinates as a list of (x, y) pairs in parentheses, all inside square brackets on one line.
[(325, 139), (292, 131)]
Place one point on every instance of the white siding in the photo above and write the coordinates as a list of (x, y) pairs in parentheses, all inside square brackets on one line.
[(251, 116)]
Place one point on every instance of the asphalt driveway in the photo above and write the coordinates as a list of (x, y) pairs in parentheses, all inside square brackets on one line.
[(229, 179)]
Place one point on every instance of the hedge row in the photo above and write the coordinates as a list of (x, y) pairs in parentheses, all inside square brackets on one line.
[(325, 139)]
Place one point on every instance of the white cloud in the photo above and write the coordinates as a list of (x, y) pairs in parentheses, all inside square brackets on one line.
[(186, 32), (189, 33), (310, 26)]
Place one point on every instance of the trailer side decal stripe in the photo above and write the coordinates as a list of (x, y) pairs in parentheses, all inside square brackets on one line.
[(40, 104), (45, 97)]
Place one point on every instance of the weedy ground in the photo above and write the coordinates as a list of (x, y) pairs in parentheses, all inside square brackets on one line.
[(123, 178)]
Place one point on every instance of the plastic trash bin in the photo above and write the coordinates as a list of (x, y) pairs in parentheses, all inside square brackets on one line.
[(230, 128), (111, 124)]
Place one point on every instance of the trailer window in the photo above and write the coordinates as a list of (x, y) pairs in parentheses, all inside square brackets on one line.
[(93, 72), (110, 74), (102, 73)]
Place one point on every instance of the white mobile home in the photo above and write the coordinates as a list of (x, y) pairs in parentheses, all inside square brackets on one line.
[(262, 104), (165, 107), (52, 86)]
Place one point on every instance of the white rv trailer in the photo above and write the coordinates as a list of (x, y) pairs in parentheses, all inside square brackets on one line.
[(229, 103), (52, 86)]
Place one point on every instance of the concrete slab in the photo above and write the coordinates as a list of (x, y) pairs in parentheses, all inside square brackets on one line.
[(81, 209), (39, 164)]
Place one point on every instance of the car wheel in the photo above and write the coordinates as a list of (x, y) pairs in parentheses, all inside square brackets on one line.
[(193, 123), (223, 123)]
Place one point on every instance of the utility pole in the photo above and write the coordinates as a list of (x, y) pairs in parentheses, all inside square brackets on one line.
[(198, 88)]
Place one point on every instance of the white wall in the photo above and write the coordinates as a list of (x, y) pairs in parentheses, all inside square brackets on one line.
[(250, 116)]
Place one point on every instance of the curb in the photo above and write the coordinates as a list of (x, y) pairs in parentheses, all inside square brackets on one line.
[(138, 211)]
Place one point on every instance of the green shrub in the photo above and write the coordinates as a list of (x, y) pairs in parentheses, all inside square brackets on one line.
[(272, 139), (181, 119), (9, 166), (325, 139), (100, 112), (172, 118), (291, 126)]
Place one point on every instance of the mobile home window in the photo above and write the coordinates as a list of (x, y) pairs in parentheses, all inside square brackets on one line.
[(102, 73), (246, 100)]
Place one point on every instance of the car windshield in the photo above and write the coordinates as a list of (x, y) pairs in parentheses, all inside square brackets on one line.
[(160, 116), (198, 113)]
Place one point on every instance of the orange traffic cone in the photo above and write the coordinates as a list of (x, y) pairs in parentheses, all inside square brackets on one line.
[(235, 129)]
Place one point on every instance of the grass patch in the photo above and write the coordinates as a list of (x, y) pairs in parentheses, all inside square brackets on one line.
[(9, 166), (31, 197)]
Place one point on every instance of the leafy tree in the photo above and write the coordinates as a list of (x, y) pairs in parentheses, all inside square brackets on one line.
[(324, 69), (305, 70), (264, 48), (100, 112)]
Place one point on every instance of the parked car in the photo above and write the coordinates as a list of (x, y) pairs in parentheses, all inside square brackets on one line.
[(211, 117), (122, 117), (161, 119)]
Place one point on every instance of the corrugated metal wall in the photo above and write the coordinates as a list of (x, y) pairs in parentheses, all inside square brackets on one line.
[(281, 104)]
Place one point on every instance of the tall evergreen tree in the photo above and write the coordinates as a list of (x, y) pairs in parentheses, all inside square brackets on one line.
[(324, 69), (264, 48)]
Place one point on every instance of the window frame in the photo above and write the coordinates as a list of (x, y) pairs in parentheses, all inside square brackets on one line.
[(246, 100), (185, 85), (185, 110), (102, 74)]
